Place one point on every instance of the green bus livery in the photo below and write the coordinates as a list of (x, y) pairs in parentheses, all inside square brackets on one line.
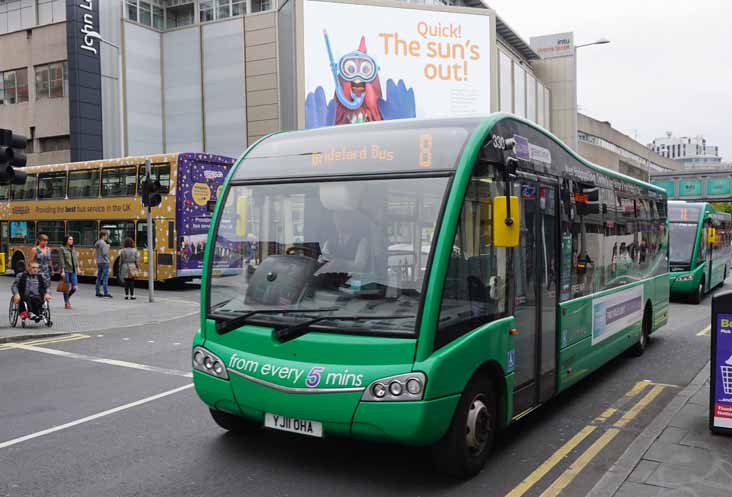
[(700, 248), (424, 282)]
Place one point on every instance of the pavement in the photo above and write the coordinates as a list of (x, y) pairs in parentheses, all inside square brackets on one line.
[(90, 313), (676, 455)]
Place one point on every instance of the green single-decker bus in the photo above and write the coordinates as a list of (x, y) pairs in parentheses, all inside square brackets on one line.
[(700, 249), (424, 282)]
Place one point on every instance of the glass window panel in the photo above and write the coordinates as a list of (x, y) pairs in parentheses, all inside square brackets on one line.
[(238, 7), (506, 83), (142, 234), (180, 15), (59, 10), (85, 233), (2, 89), (145, 14), (157, 17), (118, 231), (22, 232), (45, 12), (21, 79), (540, 116), (132, 10), (56, 79), (261, 5), (84, 184), (118, 181), (26, 191), (519, 87), (159, 172), (223, 9), (52, 185), (13, 20), (55, 230), (530, 97), (4, 192), (10, 87), (41, 82)]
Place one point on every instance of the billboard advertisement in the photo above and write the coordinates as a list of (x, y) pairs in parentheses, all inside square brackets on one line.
[(722, 374), (615, 312), (369, 63)]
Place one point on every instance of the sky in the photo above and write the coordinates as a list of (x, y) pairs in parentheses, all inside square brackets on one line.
[(668, 66)]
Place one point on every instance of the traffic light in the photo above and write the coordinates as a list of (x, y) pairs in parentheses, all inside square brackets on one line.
[(12, 155), (151, 195)]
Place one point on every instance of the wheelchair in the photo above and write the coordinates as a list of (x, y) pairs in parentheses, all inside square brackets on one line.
[(15, 310)]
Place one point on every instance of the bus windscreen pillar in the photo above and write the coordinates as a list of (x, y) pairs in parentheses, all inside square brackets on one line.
[(720, 415)]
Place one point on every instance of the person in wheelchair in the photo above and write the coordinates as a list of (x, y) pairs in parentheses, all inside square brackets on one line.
[(30, 291)]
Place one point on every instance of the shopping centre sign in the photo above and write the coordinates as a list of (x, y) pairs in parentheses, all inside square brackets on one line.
[(556, 45)]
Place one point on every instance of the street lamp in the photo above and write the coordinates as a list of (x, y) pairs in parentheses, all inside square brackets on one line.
[(95, 35), (601, 41)]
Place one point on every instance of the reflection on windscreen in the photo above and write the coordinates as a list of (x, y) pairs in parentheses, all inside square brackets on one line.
[(682, 238), (348, 248)]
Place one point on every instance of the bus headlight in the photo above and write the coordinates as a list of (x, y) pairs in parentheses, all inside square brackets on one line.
[(685, 277), (209, 363), (403, 387)]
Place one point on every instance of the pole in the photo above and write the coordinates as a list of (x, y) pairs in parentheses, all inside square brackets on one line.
[(121, 106), (150, 251)]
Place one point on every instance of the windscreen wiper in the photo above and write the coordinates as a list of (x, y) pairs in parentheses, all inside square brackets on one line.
[(225, 324), (298, 330)]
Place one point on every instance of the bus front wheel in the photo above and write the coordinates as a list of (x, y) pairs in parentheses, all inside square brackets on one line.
[(697, 297), (230, 422), (464, 449)]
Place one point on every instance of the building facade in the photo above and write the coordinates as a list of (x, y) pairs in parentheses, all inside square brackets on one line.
[(693, 152), (602, 144), (216, 75)]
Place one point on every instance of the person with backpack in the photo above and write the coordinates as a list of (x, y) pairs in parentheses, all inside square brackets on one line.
[(69, 263), (30, 291)]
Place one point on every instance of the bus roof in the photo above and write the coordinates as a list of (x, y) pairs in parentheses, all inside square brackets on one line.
[(127, 161), (405, 145)]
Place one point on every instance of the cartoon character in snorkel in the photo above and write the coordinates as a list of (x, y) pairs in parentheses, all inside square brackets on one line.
[(357, 86)]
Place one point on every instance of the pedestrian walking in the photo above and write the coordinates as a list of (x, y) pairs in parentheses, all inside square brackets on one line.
[(69, 269), (42, 255), (128, 267), (102, 248)]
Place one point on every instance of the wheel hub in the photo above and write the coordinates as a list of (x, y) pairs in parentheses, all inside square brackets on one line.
[(479, 426)]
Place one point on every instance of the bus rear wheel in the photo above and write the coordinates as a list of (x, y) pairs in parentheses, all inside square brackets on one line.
[(465, 448), (231, 422), (697, 296), (639, 348)]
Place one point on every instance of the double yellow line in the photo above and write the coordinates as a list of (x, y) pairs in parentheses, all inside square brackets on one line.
[(589, 454), (45, 341)]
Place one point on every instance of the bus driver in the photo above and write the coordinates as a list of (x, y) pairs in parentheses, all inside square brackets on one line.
[(348, 251)]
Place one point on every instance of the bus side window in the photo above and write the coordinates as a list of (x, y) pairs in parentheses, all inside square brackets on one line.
[(475, 283)]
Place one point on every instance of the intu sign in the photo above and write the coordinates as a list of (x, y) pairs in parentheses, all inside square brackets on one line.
[(556, 45)]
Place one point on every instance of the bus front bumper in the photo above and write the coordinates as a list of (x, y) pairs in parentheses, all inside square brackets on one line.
[(410, 423)]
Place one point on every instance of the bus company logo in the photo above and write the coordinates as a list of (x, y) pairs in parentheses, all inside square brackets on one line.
[(21, 210), (212, 175)]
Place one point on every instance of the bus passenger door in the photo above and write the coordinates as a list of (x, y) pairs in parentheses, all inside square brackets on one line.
[(535, 296)]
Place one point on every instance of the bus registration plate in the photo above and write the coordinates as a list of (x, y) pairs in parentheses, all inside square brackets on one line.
[(294, 425)]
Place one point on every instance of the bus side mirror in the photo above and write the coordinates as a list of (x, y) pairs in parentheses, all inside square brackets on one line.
[(242, 207), (506, 229), (712, 235)]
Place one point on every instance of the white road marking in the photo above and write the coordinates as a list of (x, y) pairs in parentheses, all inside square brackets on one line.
[(151, 341), (100, 336), (125, 339), (111, 362), (25, 438), (176, 343)]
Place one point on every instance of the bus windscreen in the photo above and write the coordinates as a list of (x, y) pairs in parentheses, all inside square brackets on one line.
[(683, 213), (682, 238)]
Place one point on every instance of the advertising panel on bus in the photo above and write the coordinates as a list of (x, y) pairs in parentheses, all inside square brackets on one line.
[(371, 63), (200, 180)]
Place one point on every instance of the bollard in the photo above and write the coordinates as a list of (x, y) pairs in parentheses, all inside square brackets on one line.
[(720, 376)]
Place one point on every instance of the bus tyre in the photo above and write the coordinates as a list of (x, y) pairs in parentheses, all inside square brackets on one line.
[(230, 422), (464, 449), (697, 296), (640, 347)]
